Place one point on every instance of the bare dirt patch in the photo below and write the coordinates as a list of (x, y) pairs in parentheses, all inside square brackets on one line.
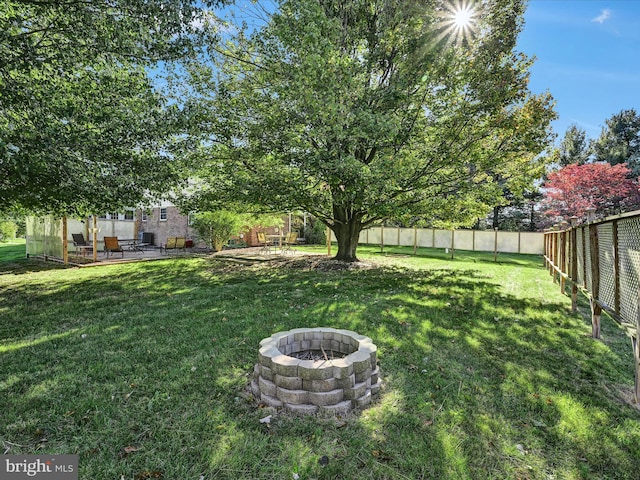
[(322, 264)]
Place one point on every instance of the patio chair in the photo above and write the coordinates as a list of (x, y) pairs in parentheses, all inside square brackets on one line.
[(111, 245), (174, 243), (82, 246), (170, 245), (264, 243), (289, 241)]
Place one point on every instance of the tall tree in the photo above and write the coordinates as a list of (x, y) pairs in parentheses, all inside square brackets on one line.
[(363, 110), (574, 148), (619, 141), (573, 189), (80, 124)]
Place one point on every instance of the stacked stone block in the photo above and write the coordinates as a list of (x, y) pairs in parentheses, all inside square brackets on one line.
[(335, 385)]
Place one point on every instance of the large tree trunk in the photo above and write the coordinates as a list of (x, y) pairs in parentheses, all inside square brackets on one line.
[(347, 231)]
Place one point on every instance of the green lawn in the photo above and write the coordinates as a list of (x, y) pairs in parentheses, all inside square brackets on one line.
[(141, 369), (12, 251)]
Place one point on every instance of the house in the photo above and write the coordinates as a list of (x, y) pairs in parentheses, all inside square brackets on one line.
[(165, 220)]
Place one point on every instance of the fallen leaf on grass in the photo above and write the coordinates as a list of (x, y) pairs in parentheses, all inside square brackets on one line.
[(144, 475), (341, 423), (127, 450), (380, 455)]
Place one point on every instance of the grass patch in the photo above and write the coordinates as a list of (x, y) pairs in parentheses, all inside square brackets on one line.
[(12, 251), (141, 369)]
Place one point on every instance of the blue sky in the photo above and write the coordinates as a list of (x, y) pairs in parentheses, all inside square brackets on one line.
[(588, 57), (587, 51)]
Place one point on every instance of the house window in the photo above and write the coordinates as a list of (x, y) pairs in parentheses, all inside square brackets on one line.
[(163, 214), (113, 215), (190, 218), (144, 216), (128, 214)]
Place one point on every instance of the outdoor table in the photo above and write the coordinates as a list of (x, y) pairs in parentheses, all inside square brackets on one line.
[(276, 240), (133, 245)]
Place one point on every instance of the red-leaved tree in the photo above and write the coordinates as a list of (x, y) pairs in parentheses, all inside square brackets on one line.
[(575, 188)]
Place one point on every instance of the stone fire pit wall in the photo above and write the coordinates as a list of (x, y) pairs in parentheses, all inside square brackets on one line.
[(332, 384)]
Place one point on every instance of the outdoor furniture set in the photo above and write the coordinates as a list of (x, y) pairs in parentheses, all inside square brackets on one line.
[(113, 244), (282, 241)]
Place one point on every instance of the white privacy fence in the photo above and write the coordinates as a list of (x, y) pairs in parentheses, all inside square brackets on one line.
[(474, 240)]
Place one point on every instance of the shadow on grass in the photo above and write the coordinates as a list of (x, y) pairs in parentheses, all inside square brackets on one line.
[(479, 383)]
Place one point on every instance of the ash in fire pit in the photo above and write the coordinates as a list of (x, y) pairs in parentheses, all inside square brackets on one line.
[(310, 370), (317, 355)]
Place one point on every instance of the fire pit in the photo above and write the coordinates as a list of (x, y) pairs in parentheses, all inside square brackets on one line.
[(311, 370)]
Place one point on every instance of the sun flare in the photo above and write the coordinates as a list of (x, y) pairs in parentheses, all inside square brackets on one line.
[(458, 21), (462, 18)]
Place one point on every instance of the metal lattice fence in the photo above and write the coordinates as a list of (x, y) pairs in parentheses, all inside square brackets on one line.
[(606, 254), (629, 252), (603, 260)]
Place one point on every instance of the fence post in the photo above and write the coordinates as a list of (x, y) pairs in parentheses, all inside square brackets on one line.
[(616, 268), (573, 242), (554, 253), (381, 238), (584, 256), (495, 245), (546, 248), (453, 232), (562, 263), (65, 252), (596, 310), (415, 241), (94, 236)]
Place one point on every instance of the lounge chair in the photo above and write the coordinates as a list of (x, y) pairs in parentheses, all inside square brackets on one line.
[(82, 246), (174, 243), (111, 245)]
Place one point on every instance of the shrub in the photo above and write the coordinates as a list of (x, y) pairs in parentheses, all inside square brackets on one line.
[(7, 231), (216, 228), (315, 233)]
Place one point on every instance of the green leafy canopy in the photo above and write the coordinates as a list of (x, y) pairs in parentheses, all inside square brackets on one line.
[(81, 127), (358, 111)]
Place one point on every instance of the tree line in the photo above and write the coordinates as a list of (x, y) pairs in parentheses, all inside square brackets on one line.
[(600, 173)]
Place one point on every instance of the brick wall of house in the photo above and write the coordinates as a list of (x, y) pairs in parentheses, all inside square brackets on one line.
[(176, 225)]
